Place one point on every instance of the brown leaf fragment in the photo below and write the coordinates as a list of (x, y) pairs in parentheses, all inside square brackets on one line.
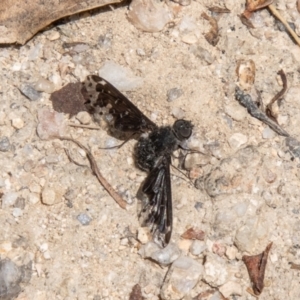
[(213, 35), (277, 97), (256, 266), (194, 234), (219, 10), (245, 20), (253, 5), (295, 266), (20, 20), (136, 293), (68, 99)]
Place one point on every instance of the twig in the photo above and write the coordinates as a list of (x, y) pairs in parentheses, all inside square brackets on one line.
[(284, 22), (84, 126), (246, 101), (278, 96), (122, 203)]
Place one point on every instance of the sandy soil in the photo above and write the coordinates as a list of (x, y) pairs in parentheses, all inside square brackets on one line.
[(101, 260)]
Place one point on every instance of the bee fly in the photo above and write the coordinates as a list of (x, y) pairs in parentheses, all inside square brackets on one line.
[(153, 150)]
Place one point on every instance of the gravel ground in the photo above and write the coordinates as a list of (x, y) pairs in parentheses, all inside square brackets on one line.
[(66, 236)]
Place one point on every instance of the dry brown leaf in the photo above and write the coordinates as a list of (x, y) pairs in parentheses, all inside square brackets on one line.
[(194, 234), (20, 20), (256, 266), (213, 35), (253, 5)]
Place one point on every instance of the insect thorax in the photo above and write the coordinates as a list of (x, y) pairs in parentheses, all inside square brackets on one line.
[(149, 148)]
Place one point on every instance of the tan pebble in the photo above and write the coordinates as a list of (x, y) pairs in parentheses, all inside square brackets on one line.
[(189, 38), (231, 252), (219, 248), (84, 117), (268, 175), (35, 188), (53, 36), (17, 123), (230, 288), (132, 175), (143, 235), (195, 172), (5, 247), (184, 244), (48, 196), (47, 255), (33, 198)]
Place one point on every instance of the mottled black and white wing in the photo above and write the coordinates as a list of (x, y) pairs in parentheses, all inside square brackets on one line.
[(126, 117), (157, 210)]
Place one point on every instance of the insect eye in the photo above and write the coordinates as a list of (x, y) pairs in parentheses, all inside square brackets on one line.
[(182, 129)]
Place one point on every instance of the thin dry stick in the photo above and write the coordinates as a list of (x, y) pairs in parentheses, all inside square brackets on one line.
[(84, 126), (96, 171), (284, 22), (278, 96)]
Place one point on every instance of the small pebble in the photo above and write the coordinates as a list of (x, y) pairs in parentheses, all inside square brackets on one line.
[(143, 235), (35, 52), (20, 203), (197, 247), (181, 278), (189, 38), (9, 199), (31, 93), (84, 117), (174, 94), (178, 113), (237, 140), (50, 123), (43, 247), (104, 41), (53, 36), (17, 123), (44, 85), (268, 133), (10, 278), (120, 77), (150, 16), (166, 255), (4, 144), (203, 54), (81, 48), (216, 273), (5, 247), (231, 252), (46, 255), (84, 219), (231, 288), (140, 52), (48, 196), (17, 212), (33, 198)]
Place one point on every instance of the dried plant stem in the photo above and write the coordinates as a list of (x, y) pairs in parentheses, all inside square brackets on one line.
[(84, 126), (96, 171), (285, 23)]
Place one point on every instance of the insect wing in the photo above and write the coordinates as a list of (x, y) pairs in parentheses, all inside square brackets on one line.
[(99, 93), (157, 211)]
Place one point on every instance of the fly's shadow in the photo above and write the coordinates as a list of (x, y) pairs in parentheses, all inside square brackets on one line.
[(152, 152)]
